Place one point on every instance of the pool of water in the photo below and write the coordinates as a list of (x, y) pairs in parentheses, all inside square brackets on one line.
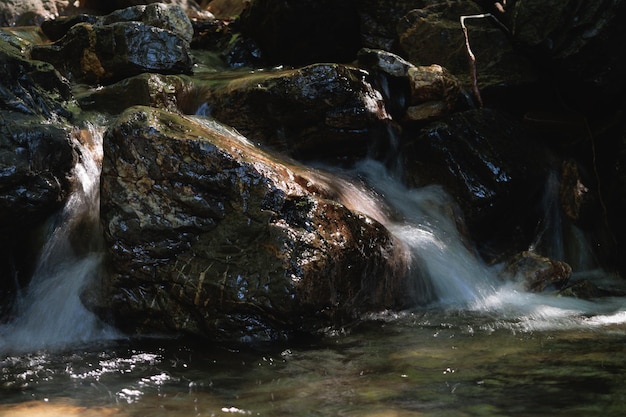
[(425, 363)]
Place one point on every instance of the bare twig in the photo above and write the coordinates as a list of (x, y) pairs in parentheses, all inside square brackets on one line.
[(470, 55)]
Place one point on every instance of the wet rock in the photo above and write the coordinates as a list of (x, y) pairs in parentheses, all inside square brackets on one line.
[(30, 12), (35, 151), (210, 236), (537, 273), (118, 46), (492, 166), (160, 15), (35, 161), (154, 90), (36, 158), (322, 111), (301, 32), (413, 93), (30, 87), (433, 35)]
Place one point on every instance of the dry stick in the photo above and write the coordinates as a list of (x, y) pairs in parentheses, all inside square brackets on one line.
[(470, 55)]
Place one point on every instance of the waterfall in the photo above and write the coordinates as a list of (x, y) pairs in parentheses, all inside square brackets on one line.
[(49, 313), (444, 267)]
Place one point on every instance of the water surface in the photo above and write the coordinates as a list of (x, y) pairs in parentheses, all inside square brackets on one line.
[(426, 363)]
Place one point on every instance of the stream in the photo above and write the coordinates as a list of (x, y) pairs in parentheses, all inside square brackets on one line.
[(439, 362), (476, 347)]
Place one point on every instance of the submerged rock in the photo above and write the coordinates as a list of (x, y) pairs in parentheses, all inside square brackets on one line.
[(210, 236), (123, 44)]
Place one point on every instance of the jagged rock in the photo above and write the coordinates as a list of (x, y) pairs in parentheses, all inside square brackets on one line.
[(115, 48), (301, 32), (319, 111), (537, 273), (208, 235), (30, 87), (492, 166)]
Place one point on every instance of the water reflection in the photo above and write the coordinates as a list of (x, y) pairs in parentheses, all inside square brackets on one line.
[(423, 363)]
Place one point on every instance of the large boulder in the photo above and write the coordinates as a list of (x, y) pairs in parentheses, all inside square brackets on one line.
[(210, 236), (128, 42)]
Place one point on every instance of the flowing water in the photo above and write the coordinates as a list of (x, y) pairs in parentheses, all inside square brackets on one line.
[(473, 346), (50, 314)]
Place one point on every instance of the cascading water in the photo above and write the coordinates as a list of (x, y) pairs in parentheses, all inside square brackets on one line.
[(445, 270), (50, 314)]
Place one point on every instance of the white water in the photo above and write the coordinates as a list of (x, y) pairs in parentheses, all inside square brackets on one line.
[(49, 314), (447, 273)]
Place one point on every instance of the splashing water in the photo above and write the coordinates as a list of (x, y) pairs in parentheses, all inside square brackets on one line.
[(50, 313), (446, 271)]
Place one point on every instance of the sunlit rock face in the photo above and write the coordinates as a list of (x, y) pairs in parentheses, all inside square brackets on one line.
[(210, 236), (132, 41)]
